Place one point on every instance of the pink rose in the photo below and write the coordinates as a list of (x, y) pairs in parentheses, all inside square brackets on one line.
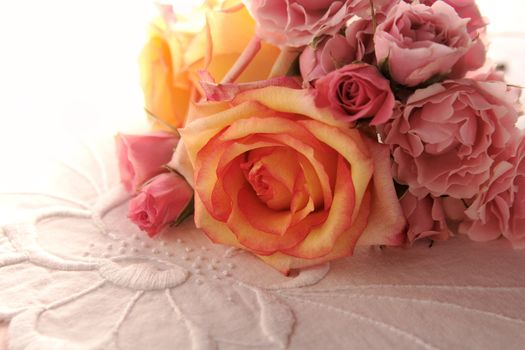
[(330, 54), (141, 157), (296, 23), (417, 42), (425, 216), (160, 202), (444, 141), (356, 91), (360, 36), (475, 56), (499, 208), (357, 44), (488, 72), (465, 9)]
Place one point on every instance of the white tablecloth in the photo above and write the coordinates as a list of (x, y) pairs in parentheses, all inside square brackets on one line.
[(76, 274)]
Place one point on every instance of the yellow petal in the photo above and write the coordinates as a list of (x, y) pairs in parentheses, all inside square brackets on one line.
[(344, 246), (288, 100)]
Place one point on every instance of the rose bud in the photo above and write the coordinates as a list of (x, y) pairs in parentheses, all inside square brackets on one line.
[(356, 91), (141, 157), (160, 202)]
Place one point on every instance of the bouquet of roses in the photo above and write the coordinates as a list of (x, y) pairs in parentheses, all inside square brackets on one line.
[(298, 129)]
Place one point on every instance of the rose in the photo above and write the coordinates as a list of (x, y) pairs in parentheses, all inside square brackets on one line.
[(284, 179), (499, 208), (489, 72), (356, 91), (296, 23), (417, 42), (445, 139), (360, 36), (425, 217), (362, 8), (465, 9), (330, 53), (141, 157), (173, 56), (475, 57), (160, 202), (336, 51)]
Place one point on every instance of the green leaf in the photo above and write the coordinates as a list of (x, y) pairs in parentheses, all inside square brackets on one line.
[(294, 69), (436, 78), (187, 212), (383, 67)]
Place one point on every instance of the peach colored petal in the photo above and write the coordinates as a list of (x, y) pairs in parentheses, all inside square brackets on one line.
[(216, 230), (344, 246), (288, 100), (351, 148), (257, 240), (260, 216), (161, 97), (320, 241), (197, 134), (321, 162), (291, 134)]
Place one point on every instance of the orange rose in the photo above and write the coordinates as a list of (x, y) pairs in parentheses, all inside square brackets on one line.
[(175, 52), (279, 177)]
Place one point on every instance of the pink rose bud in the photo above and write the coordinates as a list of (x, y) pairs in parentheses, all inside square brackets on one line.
[(160, 202), (356, 91), (141, 157), (418, 42)]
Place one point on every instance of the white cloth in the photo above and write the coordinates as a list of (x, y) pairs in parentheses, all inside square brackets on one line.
[(76, 274)]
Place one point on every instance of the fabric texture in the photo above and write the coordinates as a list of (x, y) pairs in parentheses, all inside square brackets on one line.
[(76, 274)]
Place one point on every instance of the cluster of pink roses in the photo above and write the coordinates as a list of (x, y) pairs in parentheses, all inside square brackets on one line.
[(380, 123)]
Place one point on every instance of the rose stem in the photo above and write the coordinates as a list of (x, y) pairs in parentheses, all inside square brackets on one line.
[(243, 61), (373, 12), (233, 8), (161, 122), (284, 61)]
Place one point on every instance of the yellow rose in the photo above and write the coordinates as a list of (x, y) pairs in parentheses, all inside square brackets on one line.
[(281, 178), (172, 57)]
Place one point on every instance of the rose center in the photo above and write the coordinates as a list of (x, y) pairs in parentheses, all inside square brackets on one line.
[(272, 174)]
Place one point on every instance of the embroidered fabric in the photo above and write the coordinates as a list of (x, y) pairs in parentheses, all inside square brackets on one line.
[(76, 274)]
